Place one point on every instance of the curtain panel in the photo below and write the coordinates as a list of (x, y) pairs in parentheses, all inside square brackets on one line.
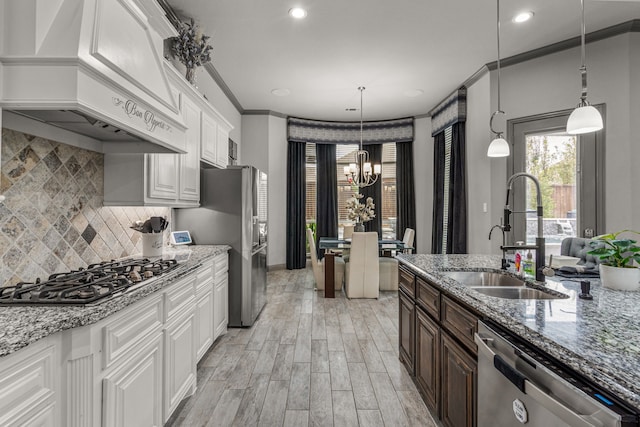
[(438, 193), (457, 226), (405, 189), (451, 110), (326, 193), (323, 132), (296, 256), (374, 191)]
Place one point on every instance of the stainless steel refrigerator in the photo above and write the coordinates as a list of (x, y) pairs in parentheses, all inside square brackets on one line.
[(234, 211)]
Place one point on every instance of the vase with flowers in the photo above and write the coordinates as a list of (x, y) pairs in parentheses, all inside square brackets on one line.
[(191, 48), (360, 212)]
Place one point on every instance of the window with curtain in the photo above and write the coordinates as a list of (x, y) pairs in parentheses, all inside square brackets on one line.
[(449, 226), (447, 182), (345, 154), (310, 205)]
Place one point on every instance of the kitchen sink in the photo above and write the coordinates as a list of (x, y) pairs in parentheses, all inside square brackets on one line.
[(517, 292), (483, 278)]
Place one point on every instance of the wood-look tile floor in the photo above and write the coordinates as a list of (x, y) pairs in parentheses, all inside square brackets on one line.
[(307, 361)]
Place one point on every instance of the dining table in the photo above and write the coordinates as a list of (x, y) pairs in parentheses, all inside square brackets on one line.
[(330, 244)]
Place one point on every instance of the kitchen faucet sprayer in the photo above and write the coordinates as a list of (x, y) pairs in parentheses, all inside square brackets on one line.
[(540, 243)]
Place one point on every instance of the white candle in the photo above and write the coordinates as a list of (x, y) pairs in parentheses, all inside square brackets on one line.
[(377, 169)]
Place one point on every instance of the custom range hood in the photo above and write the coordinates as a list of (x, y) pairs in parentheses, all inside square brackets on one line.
[(91, 71)]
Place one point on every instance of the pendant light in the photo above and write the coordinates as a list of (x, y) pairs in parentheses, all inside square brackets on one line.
[(499, 147), (360, 173), (585, 118)]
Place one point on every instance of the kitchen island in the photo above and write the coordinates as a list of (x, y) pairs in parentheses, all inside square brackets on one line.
[(130, 358), (597, 338)]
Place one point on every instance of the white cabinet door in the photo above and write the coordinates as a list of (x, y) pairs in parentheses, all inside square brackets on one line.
[(180, 361), (190, 162), (221, 300), (29, 380), (132, 392), (208, 138), (162, 182), (222, 152), (204, 319)]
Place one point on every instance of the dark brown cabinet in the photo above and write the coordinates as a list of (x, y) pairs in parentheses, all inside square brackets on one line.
[(459, 376), (437, 348), (428, 359), (407, 333)]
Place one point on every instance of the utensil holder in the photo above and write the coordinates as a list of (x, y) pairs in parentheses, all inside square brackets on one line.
[(152, 244)]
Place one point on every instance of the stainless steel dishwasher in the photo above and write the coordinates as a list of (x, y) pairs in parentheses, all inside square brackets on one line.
[(518, 384)]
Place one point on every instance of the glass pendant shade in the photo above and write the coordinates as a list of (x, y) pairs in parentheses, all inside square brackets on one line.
[(584, 119), (499, 147)]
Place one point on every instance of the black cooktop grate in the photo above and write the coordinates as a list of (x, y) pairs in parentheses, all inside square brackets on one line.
[(85, 286)]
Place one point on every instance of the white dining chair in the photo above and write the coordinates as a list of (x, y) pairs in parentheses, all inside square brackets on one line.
[(408, 238), (318, 266), (362, 271)]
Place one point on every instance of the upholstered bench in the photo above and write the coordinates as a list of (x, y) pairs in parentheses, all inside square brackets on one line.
[(578, 247)]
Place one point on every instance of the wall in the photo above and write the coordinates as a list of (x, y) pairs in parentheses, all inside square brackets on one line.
[(52, 219), (423, 174), (479, 167), (552, 83), (265, 146), (277, 191), (634, 130), (255, 148)]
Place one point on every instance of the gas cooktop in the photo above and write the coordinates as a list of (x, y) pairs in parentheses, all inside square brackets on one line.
[(85, 286)]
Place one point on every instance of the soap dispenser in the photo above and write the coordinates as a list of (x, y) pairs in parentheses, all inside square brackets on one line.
[(528, 265)]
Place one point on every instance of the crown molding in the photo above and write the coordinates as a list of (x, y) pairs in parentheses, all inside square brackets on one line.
[(632, 26)]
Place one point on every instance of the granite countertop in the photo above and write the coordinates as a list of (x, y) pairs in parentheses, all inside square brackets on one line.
[(24, 325), (598, 338)]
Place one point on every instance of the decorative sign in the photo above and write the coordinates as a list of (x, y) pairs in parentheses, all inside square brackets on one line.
[(520, 411), (131, 109)]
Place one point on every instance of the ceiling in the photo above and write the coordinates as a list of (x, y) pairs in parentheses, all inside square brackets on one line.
[(390, 47)]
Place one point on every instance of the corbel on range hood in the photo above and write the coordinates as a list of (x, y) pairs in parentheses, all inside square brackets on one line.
[(93, 68)]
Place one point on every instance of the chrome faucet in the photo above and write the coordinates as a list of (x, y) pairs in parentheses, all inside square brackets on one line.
[(505, 263), (540, 243)]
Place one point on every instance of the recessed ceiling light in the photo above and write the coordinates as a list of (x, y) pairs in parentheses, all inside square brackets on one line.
[(297, 12), (523, 17), (413, 93), (280, 92)]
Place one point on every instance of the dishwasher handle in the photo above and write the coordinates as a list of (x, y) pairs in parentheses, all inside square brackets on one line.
[(530, 389), (511, 373)]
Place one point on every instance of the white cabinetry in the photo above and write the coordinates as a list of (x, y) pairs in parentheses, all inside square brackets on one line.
[(180, 344), (29, 385), (131, 368), (204, 309), (132, 392), (133, 179), (214, 148), (221, 294), (131, 344), (223, 146), (209, 134)]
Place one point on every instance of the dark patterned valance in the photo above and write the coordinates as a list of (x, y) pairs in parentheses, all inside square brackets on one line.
[(303, 130), (450, 111)]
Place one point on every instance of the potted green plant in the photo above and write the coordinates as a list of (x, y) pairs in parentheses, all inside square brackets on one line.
[(617, 256)]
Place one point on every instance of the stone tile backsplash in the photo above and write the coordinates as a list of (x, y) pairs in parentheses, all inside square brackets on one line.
[(52, 219)]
